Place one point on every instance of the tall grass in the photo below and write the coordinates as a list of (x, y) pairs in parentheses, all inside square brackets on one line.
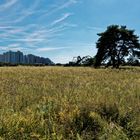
[(56, 103)]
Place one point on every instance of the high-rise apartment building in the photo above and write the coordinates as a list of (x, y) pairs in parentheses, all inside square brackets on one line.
[(19, 58)]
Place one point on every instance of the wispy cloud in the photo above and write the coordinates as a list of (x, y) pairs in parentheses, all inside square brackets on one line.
[(26, 26), (46, 49), (7, 4), (64, 17), (7, 48), (67, 4), (60, 6), (22, 12), (14, 45)]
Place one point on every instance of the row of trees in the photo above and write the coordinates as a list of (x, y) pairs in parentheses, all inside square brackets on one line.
[(81, 61), (116, 46), (2, 64)]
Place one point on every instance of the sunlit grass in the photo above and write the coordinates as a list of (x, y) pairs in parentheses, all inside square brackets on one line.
[(69, 103)]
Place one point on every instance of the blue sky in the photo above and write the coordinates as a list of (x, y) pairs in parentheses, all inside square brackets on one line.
[(62, 29)]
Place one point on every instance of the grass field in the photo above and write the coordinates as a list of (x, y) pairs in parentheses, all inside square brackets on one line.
[(57, 103)]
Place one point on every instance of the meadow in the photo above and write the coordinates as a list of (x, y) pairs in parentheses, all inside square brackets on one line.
[(66, 103)]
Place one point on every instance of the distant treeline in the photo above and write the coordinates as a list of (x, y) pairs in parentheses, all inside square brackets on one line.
[(90, 61), (10, 64)]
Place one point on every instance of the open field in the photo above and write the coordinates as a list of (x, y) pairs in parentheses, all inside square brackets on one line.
[(56, 103)]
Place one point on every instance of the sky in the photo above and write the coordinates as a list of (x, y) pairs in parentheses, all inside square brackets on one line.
[(62, 29)]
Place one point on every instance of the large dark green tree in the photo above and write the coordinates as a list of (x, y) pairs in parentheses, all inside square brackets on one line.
[(115, 45)]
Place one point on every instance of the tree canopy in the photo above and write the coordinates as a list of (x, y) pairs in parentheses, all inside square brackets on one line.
[(115, 45)]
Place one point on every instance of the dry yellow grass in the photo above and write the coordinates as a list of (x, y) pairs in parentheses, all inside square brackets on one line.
[(43, 103)]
